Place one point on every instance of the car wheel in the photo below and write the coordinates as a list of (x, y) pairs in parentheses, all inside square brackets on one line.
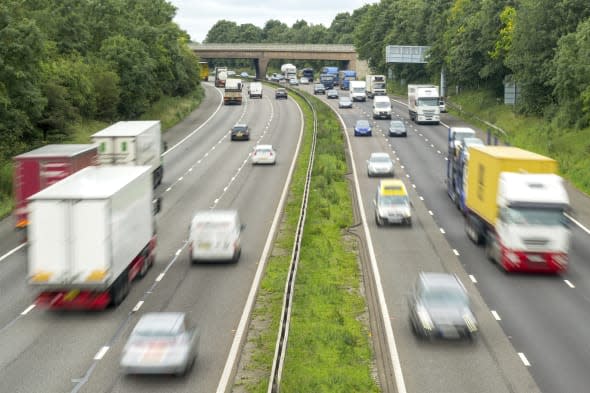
[(378, 220)]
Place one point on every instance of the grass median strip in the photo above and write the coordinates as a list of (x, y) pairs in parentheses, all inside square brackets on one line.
[(329, 345)]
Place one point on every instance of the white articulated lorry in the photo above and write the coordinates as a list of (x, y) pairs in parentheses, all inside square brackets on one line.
[(423, 103), (90, 235), (289, 71), (132, 143), (376, 85)]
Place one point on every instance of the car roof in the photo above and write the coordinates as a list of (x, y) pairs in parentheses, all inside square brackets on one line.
[(241, 125), (440, 280), (362, 121), (396, 122), (392, 187), (160, 322), (263, 147), (379, 154)]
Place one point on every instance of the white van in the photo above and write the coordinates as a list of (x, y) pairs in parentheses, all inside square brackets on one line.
[(255, 90), (214, 235), (381, 107)]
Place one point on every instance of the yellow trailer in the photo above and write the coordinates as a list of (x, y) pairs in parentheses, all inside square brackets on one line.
[(483, 172), (204, 70)]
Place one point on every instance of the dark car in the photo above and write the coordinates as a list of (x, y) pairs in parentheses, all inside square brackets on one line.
[(440, 308), (318, 88), (344, 102), (332, 93), (240, 132), (362, 128), (397, 128), (281, 93)]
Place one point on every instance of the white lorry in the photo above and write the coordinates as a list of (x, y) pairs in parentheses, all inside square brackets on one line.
[(255, 90), (90, 235), (132, 143), (381, 107), (423, 103), (289, 71), (358, 91), (376, 85)]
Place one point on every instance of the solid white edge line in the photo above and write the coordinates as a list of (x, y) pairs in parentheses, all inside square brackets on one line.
[(9, 253), (219, 106), (32, 306), (496, 315), (395, 360), (248, 307), (577, 223), (524, 359), (100, 354)]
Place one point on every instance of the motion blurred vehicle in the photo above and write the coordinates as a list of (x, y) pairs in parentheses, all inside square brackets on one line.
[(344, 102), (293, 82), (281, 93), (231, 73), (397, 128), (244, 75), (240, 132), (319, 88), (161, 343), (214, 235), (332, 93), (263, 154), (440, 308), (304, 81), (392, 203), (362, 128), (379, 164)]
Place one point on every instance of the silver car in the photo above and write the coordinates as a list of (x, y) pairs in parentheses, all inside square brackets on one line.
[(344, 102), (379, 164), (161, 343), (439, 307), (397, 128)]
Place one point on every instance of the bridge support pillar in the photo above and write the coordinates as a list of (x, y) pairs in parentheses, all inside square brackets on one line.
[(260, 65)]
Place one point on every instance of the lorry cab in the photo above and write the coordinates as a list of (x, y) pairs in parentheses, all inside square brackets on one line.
[(456, 136), (381, 107), (392, 203), (214, 235)]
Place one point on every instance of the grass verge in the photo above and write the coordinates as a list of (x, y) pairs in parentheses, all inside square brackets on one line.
[(329, 348), (170, 110)]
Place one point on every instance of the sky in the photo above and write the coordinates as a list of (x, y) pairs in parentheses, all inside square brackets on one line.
[(198, 17)]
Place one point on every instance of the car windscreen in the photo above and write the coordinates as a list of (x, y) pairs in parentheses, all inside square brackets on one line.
[(380, 159), (382, 105), (444, 296), (394, 200), (239, 128), (362, 124)]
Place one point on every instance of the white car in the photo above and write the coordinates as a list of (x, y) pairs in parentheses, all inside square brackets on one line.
[(304, 81), (379, 164), (263, 154)]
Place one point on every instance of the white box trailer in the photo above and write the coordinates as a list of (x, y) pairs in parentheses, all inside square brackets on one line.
[(89, 235), (132, 143)]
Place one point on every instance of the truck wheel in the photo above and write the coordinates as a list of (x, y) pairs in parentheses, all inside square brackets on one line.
[(489, 250), (120, 289)]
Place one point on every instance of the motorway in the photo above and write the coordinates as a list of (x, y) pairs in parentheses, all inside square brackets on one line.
[(79, 351), (534, 340), (544, 317)]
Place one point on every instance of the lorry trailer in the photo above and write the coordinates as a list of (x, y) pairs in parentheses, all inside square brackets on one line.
[(91, 235), (133, 143), (39, 168), (232, 93), (515, 205)]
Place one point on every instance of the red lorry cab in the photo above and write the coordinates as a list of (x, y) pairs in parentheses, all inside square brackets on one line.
[(40, 168)]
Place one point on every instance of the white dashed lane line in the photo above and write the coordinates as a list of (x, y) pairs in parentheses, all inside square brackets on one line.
[(524, 360), (496, 315), (569, 283)]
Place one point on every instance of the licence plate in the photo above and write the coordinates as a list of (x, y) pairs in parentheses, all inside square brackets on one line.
[(536, 258), (71, 295), (205, 246)]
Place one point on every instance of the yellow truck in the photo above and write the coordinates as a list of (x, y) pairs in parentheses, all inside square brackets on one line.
[(515, 205), (204, 70)]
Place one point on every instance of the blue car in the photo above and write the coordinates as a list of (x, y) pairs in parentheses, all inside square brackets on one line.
[(362, 128)]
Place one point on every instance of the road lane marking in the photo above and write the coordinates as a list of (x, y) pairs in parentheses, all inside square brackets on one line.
[(577, 223), (100, 354), (569, 284), (160, 277), (524, 359), (430, 212), (138, 306), (442, 231), (456, 252), (472, 277), (496, 315), (9, 253), (32, 306)]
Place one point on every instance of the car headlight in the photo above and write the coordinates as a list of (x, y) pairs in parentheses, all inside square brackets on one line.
[(424, 317)]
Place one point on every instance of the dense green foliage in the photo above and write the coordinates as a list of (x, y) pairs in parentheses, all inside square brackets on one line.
[(542, 45), (66, 61)]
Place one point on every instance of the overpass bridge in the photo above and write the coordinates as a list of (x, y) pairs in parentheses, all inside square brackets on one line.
[(261, 54)]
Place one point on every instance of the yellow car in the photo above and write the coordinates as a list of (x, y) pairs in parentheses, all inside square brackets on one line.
[(392, 203)]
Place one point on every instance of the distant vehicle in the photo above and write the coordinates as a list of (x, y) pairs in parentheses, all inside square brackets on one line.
[(362, 128), (345, 76), (231, 73), (161, 343), (281, 93), (397, 128), (332, 93), (255, 90), (215, 235), (327, 80), (289, 71), (304, 81), (220, 76), (204, 70), (379, 164), (307, 73), (440, 308), (423, 103), (240, 132), (263, 154), (442, 105), (293, 82), (376, 85), (381, 107), (319, 88), (232, 92), (331, 71), (344, 102), (392, 203), (42, 167), (244, 75), (357, 90)]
